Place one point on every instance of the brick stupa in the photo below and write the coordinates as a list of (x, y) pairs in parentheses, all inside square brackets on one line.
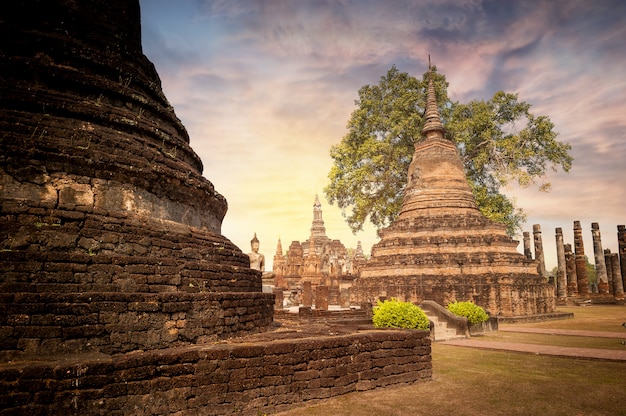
[(442, 248), (110, 237)]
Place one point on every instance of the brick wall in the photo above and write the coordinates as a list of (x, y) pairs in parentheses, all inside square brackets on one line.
[(218, 379), (51, 323)]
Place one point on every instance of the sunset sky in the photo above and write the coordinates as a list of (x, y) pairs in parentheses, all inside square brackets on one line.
[(265, 88)]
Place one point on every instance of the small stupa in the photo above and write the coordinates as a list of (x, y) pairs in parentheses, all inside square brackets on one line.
[(442, 248)]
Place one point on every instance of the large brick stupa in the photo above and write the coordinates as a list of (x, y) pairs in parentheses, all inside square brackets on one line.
[(110, 237), (442, 248)]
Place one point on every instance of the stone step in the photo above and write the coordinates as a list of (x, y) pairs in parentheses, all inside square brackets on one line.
[(441, 330)]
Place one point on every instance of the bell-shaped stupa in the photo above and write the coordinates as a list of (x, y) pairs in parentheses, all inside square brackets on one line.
[(110, 237), (442, 248)]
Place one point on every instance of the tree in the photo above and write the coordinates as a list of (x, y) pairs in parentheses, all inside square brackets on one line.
[(370, 166), (591, 271)]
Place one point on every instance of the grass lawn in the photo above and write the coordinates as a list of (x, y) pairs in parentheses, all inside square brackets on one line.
[(605, 318), (481, 382)]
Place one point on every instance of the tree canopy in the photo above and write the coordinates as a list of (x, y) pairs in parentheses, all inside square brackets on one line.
[(500, 142)]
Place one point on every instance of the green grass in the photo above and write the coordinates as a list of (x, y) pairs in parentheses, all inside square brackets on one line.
[(556, 340), (470, 381), (607, 318)]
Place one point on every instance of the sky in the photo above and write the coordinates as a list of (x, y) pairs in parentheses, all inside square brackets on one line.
[(265, 88)]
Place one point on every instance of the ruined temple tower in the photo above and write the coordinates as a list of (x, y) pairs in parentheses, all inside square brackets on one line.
[(318, 260), (110, 236), (442, 247)]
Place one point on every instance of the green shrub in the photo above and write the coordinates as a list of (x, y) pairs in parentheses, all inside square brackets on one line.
[(393, 313), (474, 313)]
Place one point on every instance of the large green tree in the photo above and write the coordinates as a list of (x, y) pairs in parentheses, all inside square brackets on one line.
[(500, 141)]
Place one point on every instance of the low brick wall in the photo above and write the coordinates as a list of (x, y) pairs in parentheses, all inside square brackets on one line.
[(35, 324), (220, 379)]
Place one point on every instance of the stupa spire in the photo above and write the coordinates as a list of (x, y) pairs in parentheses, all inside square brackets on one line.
[(433, 119), (436, 177), (317, 227), (279, 248)]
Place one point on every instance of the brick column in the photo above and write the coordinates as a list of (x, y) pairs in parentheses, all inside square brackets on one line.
[(621, 241), (618, 283), (581, 262), (598, 253), (541, 263), (609, 269), (561, 276), (527, 252), (307, 294), (570, 269)]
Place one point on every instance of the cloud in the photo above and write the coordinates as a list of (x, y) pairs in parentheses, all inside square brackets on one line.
[(266, 87)]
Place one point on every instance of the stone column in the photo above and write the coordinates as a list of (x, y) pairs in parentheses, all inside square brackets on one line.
[(527, 252), (618, 284), (609, 269), (621, 241), (598, 253), (541, 263), (561, 276), (581, 262), (570, 269)]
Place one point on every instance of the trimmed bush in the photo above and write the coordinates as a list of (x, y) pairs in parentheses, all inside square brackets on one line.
[(474, 313), (393, 313)]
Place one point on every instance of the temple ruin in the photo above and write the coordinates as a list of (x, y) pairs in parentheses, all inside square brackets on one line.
[(118, 293), (608, 286), (106, 217), (442, 248), (316, 262)]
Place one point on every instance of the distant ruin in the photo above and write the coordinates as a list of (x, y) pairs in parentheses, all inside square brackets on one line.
[(571, 282), (318, 262)]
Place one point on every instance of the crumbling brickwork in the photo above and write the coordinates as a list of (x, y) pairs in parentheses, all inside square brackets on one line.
[(44, 324), (102, 200), (219, 379)]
